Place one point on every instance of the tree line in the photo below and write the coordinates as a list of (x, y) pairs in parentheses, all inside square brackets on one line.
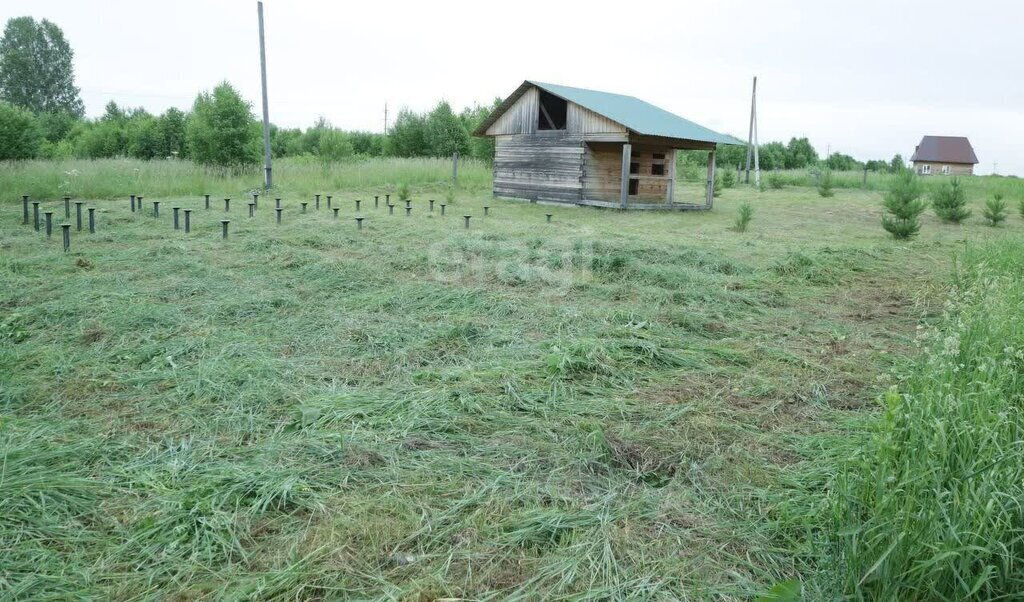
[(798, 153), (42, 116)]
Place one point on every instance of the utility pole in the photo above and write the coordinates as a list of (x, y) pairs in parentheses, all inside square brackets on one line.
[(385, 119), (268, 181), (752, 136), (757, 159)]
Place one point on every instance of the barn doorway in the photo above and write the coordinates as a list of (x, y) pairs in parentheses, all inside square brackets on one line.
[(552, 111), (634, 186)]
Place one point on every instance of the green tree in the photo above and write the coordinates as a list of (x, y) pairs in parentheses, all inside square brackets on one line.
[(841, 162), (772, 155), (897, 164), (800, 153), (36, 70), (903, 204), (142, 136), (57, 126), (20, 134), (408, 137), (728, 156), (950, 202), (877, 165), (285, 142), (445, 133), (335, 145), (480, 147), (222, 130), (313, 134), (367, 144), (171, 130)]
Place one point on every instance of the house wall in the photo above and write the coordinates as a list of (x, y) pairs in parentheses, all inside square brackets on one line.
[(546, 165), (602, 172), (955, 169)]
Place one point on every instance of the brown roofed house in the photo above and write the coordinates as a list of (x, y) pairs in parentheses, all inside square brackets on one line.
[(946, 155)]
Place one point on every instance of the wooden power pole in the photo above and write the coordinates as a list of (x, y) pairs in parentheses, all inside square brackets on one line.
[(268, 181), (752, 151)]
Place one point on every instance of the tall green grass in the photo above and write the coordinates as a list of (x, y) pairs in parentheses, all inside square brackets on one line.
[(933, 507), (114, 178), (976, 186)]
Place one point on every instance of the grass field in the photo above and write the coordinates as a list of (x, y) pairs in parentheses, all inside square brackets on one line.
[(612, 405)]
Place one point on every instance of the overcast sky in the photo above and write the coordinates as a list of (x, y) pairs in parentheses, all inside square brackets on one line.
[(867, 78)]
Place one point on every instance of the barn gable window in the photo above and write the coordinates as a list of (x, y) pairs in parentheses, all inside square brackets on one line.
[(551, 112)]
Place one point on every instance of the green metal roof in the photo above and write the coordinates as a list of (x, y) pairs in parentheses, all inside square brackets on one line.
[(637, 115), (640, 116)]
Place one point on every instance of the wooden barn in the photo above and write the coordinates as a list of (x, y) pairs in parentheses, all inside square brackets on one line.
[(570, 145)]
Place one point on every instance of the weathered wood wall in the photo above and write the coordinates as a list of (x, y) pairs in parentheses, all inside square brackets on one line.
[(545, 166), (602, 168), (520, 118), (580, 120)]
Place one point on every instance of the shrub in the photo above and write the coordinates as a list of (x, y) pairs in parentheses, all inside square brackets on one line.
[(903, 205), (825, 187), (20, 134), (744, 214), (776, 181), (728, 178), (950, 202), (716, 185), (403, 192), (995, 210)]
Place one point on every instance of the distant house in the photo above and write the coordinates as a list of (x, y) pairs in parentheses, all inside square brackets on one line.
[(945, 155), (570, 145)]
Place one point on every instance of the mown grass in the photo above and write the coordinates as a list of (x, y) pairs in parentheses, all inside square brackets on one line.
[(608, 406)]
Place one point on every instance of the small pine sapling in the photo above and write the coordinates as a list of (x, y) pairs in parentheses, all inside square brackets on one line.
[(825, 186), (995, 210), (903, 204), (403, 192), (950, 202), (728, 179), (744, 214)]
